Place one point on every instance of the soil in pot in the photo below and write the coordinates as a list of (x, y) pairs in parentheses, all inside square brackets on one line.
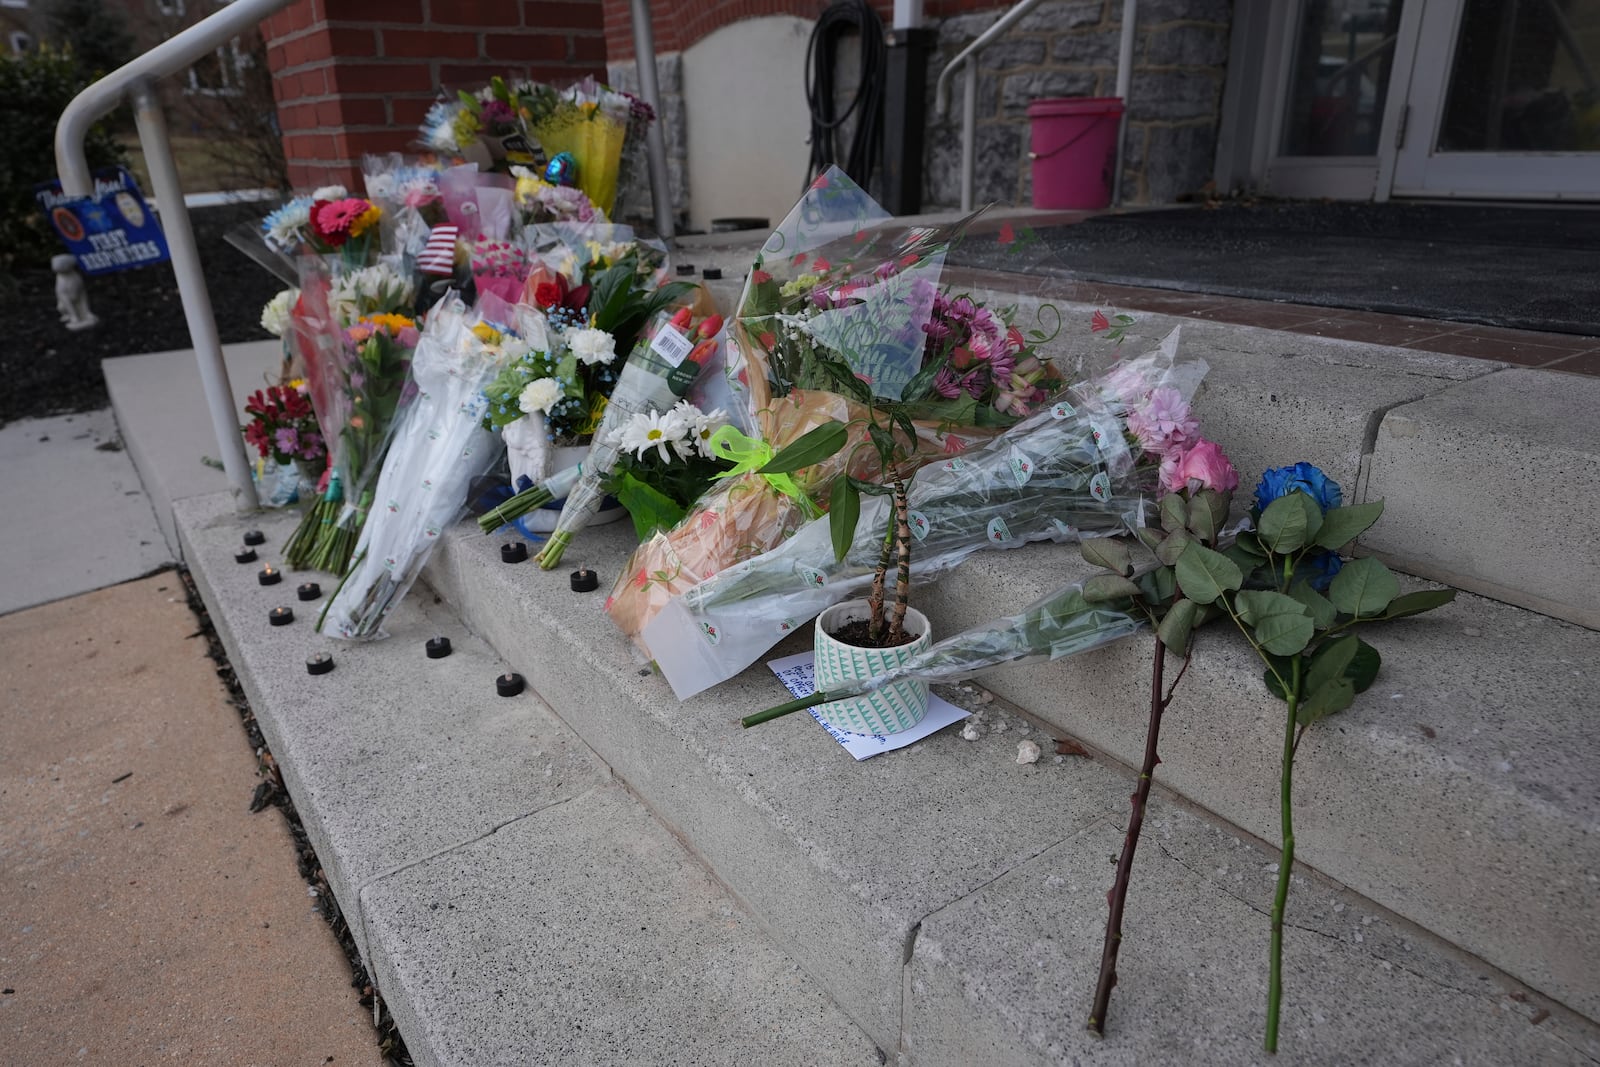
[(858, 632)]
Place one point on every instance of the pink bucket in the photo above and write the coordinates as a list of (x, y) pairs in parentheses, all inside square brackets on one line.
[(1074, 151)]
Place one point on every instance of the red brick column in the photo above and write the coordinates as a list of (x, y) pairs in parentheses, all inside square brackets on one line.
[(357, 76)]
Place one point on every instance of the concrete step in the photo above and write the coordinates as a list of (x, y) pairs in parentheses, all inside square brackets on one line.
[(847, 862), (515, 902)]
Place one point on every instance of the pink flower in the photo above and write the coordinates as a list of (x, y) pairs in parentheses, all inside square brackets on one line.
[(1204, 466), (1163, 423)]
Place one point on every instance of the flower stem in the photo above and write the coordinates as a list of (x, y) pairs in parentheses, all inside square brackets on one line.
[(514, 508), (1285, 863), (1118, 897), (780, 710)]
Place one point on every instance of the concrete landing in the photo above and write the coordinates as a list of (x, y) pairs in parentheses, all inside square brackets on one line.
[(162, 413)]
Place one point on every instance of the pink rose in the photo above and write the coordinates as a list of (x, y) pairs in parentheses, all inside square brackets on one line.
[(1204, 466)]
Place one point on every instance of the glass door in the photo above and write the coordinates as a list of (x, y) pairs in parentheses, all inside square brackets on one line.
[(1504, 101), (1336, 60)]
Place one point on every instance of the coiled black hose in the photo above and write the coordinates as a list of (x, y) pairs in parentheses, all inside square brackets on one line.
[(838, 21)]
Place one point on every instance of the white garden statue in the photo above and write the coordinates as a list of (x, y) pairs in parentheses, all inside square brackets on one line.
[(72, 296)]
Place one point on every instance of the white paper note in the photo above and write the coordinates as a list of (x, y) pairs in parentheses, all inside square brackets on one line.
[(795, 672)]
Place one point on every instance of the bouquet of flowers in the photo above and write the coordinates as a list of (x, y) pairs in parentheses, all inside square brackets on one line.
[(1077, 468), (439, 445), (499, 267), (539, 201), (834, 328), (357, 348), (283, 428), (665, 460), (658, 374), (408, 196), (590, 123)]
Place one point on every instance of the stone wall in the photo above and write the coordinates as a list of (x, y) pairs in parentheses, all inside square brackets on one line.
[(1069, 48), (634, 197)]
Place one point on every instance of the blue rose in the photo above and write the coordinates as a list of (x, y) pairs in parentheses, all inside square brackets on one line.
[(1318, 568), (1281, 481)]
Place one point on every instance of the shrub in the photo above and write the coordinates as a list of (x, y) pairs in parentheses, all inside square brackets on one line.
[(36, 87)]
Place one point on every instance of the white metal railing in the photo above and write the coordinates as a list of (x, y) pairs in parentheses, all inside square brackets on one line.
[(135, 81), (966, 59)]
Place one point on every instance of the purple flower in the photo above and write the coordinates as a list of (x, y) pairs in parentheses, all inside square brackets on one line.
[(287, 439), (497, 113)]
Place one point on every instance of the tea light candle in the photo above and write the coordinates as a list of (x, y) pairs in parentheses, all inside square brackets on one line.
[(308, 591), (269, 576), (321, 663), (245, 555), (437, 647), (584, 580), (513, 552), (254, 537), (280, 616), (509, 685)]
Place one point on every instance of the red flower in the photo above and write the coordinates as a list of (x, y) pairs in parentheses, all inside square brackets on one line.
[(820, 264), (1099, 322), (760, 277), (550, 294), (1007, 234), (799, 258)]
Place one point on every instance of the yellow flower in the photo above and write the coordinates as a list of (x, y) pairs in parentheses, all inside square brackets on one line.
[(486, 333), (364, 221), (393, 324)]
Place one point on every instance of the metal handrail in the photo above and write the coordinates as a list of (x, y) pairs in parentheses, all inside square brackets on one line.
[(969, 91), (134, 80)]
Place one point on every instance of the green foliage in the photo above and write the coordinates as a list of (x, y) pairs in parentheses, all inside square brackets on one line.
[(93, 31), (36, 87), (1204, 574), (844, 511), (814, 446)]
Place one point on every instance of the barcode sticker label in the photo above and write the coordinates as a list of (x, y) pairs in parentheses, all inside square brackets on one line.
[(671, 345)]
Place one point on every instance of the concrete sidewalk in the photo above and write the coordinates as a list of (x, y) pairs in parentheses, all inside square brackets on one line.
[(145, 914)]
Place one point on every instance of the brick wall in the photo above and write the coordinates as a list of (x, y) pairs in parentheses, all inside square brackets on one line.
[(357, 76)]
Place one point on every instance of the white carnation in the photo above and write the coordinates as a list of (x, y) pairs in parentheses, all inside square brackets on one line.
[(275, 316), (330, 192), (539, 396), (592, 346)]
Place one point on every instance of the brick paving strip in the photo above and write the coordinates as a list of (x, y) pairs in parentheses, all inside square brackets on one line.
[(145, 913)]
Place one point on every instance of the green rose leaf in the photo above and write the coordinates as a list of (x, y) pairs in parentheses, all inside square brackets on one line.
[(844, 509), (1104, 588), (1340, 526), (1416, 603), (1363, 668), (811, 447), (1170, 549), (1282, 666), (1331, 661), (1208, 511), (1363, 588), (1158, 585), (1150, 537), (1319, 607), (1204, 575), (1281, 624), (1288, 523), (1242, 557), (1175, 629), (1174, 514), (1110, 553), (1319, 703)]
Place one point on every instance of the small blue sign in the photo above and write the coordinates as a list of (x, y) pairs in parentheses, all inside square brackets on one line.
[(110, 231)]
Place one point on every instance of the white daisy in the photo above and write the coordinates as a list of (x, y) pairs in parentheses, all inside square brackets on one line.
[(701, 425), (539, 396), (592, 346), (666, 432)]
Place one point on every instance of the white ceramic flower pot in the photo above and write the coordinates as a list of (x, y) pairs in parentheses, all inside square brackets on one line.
[(543, 520), (883, 711)]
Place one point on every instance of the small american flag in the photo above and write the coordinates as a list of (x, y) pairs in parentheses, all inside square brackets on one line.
[(439, 255)]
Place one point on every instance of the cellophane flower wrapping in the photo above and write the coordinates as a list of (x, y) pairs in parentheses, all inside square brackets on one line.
[(408, 194), (1071, 470), (660, 371), (356, 346), (590, 122), (832, 319), (439, 447)]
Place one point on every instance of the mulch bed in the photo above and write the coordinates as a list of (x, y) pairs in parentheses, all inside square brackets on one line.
[(48, 370)]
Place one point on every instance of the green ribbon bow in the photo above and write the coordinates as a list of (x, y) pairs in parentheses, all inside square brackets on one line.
[(750, 454)]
